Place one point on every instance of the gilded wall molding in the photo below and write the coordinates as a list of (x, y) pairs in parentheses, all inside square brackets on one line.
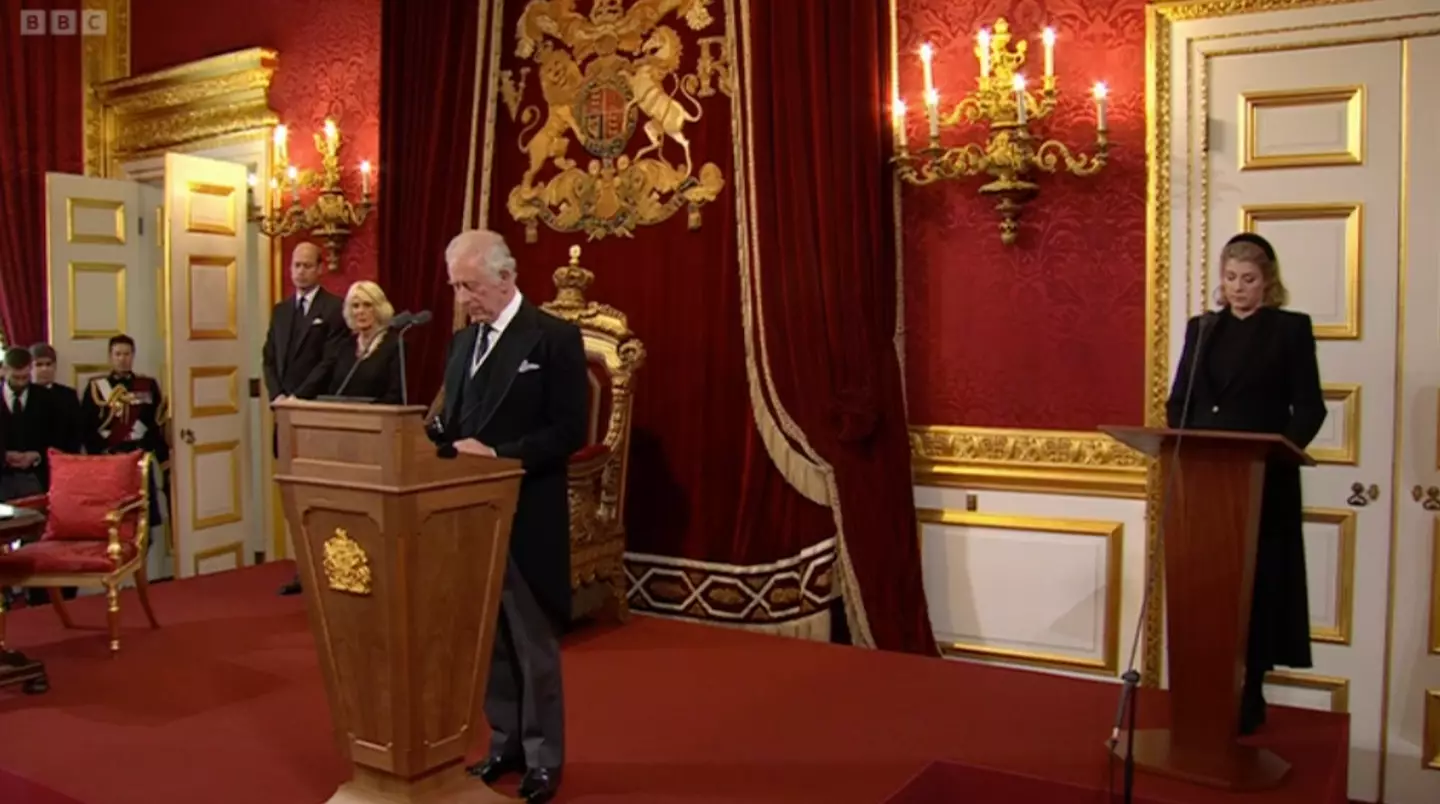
[(1037, 461), (210, 99), (102, 58)]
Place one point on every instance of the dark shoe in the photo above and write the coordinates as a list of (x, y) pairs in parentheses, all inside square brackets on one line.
[(490, 769), (1252, 714), (292, 588), (540, 785)]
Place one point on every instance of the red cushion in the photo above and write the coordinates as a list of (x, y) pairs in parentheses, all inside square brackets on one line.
[(588, 452), (62, 557), (84, 488)]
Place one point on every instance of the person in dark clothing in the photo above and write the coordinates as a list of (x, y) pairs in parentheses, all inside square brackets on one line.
[(515, 387), (366, 365), (306, 330), (123, 412), (1258, 372), (67, 419), (27, 430)]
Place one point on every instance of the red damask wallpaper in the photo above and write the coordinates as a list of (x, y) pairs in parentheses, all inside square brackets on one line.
[(329, 67), (1048, 332)]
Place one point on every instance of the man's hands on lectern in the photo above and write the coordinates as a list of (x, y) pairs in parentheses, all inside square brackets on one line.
[(278, 399), (469, 446)]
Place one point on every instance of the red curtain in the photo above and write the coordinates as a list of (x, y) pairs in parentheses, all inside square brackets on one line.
[(40, 131), (701, 484), (427, 59), (817, 78)]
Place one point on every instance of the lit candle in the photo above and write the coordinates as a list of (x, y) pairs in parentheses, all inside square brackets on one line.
[(1100, 93), (984, 49), (330, 133), (927, 56), (365, 177), (252, 181), (294, 176), (1049, 39), (281, 134), (1020, 110), (898, 110), (932, 108)]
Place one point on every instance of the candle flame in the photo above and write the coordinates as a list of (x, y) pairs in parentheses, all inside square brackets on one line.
[(329, 128), (932, 97), (1019, 83), (280, 134), (927, 51), (1049, 36), (1100, 91), (252, 179), (898, 109), (292, 172), (365, 166)]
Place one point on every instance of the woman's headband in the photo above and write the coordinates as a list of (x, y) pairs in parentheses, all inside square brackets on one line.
[(1255, 240)]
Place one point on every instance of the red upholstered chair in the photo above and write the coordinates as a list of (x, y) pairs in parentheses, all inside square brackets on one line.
[(97, 525), (598, 471)]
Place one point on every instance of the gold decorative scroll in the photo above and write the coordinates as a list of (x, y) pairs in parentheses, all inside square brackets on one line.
[(347, 568), (102, 58), (211, 98), (599, 74)]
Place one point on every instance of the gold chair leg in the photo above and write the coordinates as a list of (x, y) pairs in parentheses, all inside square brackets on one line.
[(112, 598)]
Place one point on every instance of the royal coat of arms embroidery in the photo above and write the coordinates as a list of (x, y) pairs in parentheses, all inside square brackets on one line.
[(600, 76)]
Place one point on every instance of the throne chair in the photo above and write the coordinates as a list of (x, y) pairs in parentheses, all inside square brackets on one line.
[(97, 525), (598, 471)]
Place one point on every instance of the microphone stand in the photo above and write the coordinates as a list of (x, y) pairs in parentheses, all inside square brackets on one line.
[(1129, 694), (404, 382)]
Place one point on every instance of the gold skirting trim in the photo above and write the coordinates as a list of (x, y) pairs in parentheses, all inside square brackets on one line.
[(790, 597), (1034, 461)]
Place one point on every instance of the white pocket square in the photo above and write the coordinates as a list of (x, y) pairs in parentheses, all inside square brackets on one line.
[(526, 365), (317, 322)]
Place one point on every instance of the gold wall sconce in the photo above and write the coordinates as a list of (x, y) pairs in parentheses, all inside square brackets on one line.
[(1002, 100), (330, 217)]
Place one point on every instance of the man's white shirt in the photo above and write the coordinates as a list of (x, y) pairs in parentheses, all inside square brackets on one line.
[(477, 358)]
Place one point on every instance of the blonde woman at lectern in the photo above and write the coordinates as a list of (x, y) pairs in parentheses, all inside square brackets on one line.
[(1257, 372)]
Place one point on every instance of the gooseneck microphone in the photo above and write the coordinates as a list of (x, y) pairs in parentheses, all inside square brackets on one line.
[(1131, 677), (409, 320)]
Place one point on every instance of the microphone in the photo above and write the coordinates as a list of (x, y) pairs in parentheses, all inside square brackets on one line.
[(345, 382), (1128, 695), (404, 322)]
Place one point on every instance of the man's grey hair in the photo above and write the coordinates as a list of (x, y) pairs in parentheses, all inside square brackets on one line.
[(484, 246)]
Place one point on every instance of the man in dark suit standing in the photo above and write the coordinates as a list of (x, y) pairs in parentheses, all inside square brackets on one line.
[(515, 387), (67, 420), (304, 331), (27, 430)]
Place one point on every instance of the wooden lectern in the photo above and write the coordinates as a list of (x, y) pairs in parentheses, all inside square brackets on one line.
[(402, 555), (1212, 484)]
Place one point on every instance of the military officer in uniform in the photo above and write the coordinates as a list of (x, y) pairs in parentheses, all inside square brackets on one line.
[(124, 411)]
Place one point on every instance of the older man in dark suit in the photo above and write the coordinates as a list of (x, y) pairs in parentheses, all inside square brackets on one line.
[(515, 387), (305, 331)]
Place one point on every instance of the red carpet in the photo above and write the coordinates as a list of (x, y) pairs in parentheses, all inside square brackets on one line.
[(224, 705)]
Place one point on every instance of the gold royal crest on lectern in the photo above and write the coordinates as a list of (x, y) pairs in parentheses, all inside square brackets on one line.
[(347, 567), (604, 76)]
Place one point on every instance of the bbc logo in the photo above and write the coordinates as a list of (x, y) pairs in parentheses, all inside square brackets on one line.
[(38, 22)]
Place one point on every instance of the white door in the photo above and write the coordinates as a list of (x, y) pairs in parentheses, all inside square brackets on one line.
[(206, 262), (1412, 769), (1305, 150), (103, 274)]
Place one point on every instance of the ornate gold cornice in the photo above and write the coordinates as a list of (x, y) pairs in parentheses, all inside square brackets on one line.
[(102, 58), (203, 100), (1044, 461)]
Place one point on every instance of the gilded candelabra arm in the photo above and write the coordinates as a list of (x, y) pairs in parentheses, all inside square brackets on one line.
[(968, 110), (1052, 154), (932, 165)]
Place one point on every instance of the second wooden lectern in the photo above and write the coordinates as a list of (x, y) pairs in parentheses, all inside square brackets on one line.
[(402, 555), (1212, 483)]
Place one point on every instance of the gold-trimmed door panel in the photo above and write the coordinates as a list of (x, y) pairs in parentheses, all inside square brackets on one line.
[(207, 256), (1412, 772), (101, 279)]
